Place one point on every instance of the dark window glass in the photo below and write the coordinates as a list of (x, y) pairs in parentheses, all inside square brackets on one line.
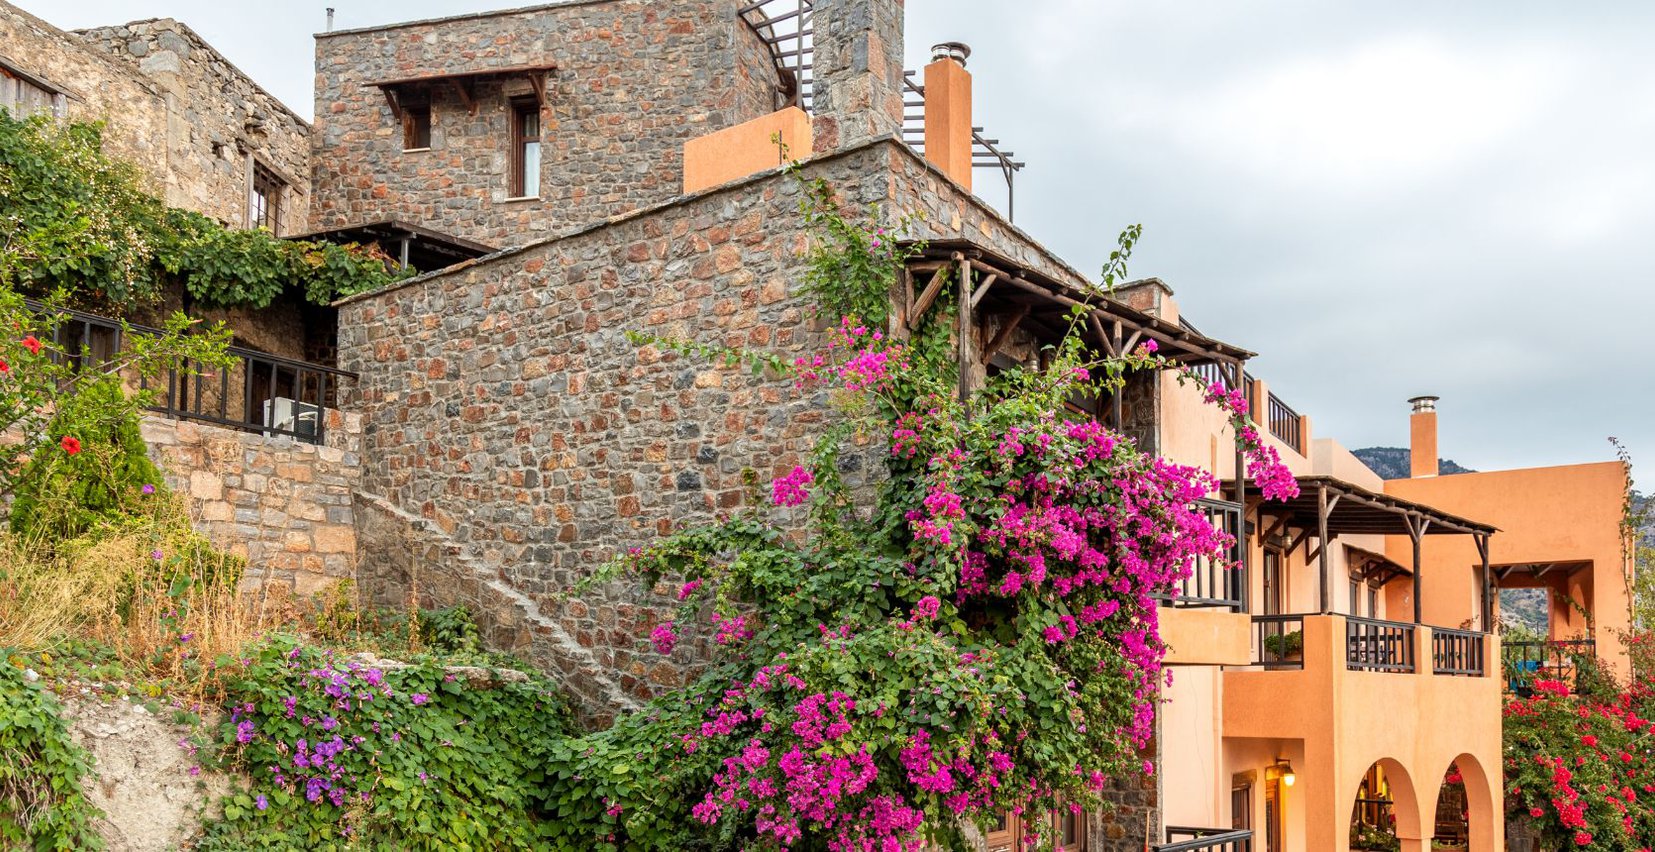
[(416, 127), (265, 204)]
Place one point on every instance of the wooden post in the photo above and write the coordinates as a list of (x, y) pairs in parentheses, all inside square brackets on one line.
[(1488, 585), (964, 358), (1321, 545)]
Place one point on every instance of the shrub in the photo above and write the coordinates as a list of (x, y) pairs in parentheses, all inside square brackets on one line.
[(343, 751), (41, 769)]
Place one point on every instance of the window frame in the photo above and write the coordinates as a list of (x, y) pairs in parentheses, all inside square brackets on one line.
[(265, 186), (412, 124), (521, 111)]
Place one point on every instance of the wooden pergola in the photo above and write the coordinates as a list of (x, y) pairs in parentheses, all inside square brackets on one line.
[(1327, 508), (463, 83)]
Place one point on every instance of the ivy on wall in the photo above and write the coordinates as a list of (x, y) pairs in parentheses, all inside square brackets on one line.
[(72, 218)]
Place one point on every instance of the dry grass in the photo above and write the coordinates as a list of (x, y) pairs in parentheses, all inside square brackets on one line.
[(148, 587)]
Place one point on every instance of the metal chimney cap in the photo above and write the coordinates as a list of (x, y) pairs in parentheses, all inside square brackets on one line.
[(1424, 403), (958, 51)]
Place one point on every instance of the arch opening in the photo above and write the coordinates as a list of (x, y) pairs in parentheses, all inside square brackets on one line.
[(1385, 813)]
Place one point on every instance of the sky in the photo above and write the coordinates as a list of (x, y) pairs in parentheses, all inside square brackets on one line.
[(1381, 199)]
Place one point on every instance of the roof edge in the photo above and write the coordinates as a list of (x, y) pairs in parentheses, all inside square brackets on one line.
[(466, 16)]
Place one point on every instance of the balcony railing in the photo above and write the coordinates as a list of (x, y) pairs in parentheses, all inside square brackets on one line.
[(1457, 652), (1284, 424), (1186, 839), (259, 392), (1378, 646), (1551, 660), (1212, 582), (1278, 641)]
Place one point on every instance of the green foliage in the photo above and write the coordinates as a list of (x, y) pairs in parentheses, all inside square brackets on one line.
[(348, 754), (77, 220), (850, 268), (1285, 644), (42, 806), (59, 495), (78, 454)]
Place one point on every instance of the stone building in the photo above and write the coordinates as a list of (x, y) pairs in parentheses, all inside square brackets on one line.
[(513, 438), (208, 137), (504, 127)]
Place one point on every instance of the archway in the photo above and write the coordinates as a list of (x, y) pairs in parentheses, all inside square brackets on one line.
[(1385, 814), (1451, 829), (1475, 805)]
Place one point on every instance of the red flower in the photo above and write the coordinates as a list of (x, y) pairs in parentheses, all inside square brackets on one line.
[(4, 367), (70, 444), (31, 344)]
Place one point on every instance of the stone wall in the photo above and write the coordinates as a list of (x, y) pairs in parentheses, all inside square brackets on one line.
[(634, 80), (519, 441), (95, 86), (284, 505), (218, 123)]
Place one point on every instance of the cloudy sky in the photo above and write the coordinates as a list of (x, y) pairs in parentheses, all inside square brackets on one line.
[(1383, 200)]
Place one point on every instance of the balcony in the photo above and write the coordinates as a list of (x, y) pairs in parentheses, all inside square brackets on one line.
[(1564, 660), (1204, 621)]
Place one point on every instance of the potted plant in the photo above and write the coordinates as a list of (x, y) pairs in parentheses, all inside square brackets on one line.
[(1285, 646)]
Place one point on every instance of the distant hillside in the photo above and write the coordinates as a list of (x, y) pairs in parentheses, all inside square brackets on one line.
[(1392, 462), (1525, 607)]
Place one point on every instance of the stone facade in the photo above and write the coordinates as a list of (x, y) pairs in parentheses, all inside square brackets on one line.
[(507, 413), (219, 124), (284, 506), (173, 106), (633, 81)]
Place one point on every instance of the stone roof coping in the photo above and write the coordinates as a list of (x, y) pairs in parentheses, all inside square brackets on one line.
[(196, 37), (756, 177), (468, 16)]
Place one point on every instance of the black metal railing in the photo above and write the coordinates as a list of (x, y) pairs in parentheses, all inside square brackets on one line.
[(1526, 661), (1378, 646), (1247, 393), (1279, 641), (1284, 423), (258, 392), (1187, 839), (1457, 652), (1214, 582)]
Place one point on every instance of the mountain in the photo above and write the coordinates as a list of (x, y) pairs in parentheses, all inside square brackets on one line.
[(1392, 462)]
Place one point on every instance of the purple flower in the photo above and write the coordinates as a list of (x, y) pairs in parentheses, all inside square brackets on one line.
[(150, 489), (261, 802), (156, 555), (663, 638), (791, 490), (419, 698), (244, 731)]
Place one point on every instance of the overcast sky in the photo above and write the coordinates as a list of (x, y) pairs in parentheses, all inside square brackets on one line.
[(1382, 199)]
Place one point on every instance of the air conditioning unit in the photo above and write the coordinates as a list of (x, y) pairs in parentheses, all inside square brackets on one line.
[(292, 417)]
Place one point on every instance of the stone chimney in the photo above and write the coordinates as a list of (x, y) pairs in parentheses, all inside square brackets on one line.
[(948, 111), (1422, 437), (857, 90)]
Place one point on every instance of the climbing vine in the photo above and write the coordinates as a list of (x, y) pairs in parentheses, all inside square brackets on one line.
[(75, 219)]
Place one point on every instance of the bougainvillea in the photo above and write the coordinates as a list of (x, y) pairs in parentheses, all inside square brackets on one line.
[(975, 634), (1580, 769)]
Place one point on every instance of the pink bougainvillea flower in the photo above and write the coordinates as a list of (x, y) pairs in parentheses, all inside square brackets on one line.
[(792, 489), (663, 638), (147, 489), (70, 445), (31, 344)]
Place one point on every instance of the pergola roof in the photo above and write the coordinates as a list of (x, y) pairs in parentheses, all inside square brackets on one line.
[(1044, 303), (1374, 566), (1354, 510), (462, 82), (427, 249)]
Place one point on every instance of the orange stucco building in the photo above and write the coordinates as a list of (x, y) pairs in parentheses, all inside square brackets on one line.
[(1353, 668)]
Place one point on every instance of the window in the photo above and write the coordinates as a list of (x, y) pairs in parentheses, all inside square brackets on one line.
[(1373, 601), (264, 204), (1356, 597), (23, 95), (525, 148), (1273, 591), (416, 126)]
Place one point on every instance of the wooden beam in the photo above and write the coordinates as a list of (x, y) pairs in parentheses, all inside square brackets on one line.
[(982, 289), (537, 79), (462, 88), (928, 296), (1097, 329), (391, 99), (964, 358), (1004, 334)]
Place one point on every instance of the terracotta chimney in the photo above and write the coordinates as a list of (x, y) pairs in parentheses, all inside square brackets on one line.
[(1422, 437), (948, 111)]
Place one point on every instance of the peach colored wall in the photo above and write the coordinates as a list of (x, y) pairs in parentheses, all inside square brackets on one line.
[(1348, 720), (747, 148), (1206, 636), (1194, 782), (1545, 514)]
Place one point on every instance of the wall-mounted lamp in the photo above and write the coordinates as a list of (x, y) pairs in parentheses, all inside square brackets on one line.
[(1284, 771)]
